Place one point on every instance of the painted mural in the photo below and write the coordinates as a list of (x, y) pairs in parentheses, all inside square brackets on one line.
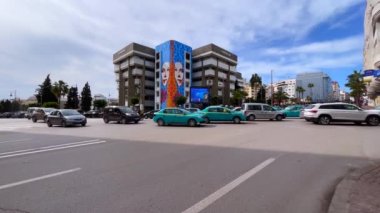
[(172, 72)]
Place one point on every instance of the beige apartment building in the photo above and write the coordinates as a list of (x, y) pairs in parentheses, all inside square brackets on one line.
[(372, 47)]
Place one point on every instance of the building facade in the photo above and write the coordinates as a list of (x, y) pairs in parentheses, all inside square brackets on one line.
[(134, 69), (215, 67), (335, 91), (157, 76), (173, 73), (321, 91), (372, 48)]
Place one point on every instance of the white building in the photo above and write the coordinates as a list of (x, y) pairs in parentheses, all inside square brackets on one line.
[(321, 90)]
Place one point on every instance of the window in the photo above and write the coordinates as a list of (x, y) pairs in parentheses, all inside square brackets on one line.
[(187, 75), (350, 107), (187, 65), (187, 56), (212, 110), (157, 56), (254, 107), (157, 83), (187, 84), (157, 94), (158, 65), (267, 108)]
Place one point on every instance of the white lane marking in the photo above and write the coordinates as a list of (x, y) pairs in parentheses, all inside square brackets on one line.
[(38, 178), (47, 147), (201, 205), (52, 149), (13, 141)]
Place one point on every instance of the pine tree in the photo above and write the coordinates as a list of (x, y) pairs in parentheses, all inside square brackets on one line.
[(72, 99), (44, 92), (86, 98)]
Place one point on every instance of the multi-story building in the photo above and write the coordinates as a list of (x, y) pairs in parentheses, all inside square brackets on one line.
[(335, 91), (287, 86), (321, 82), (173, 73), (157, 76), (215, 67), (134, 69), (372, 47), (248, 90)]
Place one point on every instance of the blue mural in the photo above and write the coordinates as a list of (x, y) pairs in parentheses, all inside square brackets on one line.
[(172, 62)]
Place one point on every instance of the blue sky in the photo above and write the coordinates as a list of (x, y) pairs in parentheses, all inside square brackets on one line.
[(73, 40)]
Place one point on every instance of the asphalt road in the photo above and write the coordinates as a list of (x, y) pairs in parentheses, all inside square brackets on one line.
[(290, 166)]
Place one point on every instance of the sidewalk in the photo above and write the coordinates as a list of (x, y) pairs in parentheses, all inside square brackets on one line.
[(358, 192)]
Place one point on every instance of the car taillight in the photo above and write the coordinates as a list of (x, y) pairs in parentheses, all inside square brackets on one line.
[(314, 111)]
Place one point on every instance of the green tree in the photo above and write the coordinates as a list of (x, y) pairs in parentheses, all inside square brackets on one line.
[(237, 97), (86, 98), (180, 100), (261, 94), (135, 100), (280, 96), (44, 92), (51, 105), (356, 84), (255, 82), (72, 99), (311, 85), (60, 89), (300, 91), (99, 104)]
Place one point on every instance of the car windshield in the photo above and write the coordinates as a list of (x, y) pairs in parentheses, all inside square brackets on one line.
[(69, 112), (311, 106), (49, 110), (289, 108), (126, 110)]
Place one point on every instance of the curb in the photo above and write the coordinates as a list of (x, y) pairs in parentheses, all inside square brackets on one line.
[(341, 201)]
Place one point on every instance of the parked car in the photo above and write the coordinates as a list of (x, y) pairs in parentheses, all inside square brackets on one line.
[(65, 117), (277, 108), (237, 109), (41, 114), (120, 114), (177, 116), (293, 111), (150, 114), (92, 114), (19, 114), (6, 114), (253, 111), (218, 113), (192, 110), (324, 114), (29, 112)]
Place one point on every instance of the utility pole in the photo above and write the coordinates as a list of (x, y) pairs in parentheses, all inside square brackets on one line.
[(271, 86)]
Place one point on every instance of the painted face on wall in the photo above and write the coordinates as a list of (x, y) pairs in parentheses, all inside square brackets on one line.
[(165, 73), (179, 73)]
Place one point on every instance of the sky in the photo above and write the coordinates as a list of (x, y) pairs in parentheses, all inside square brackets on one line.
[(74, 40)]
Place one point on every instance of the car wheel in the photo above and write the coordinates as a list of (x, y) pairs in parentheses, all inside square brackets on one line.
[(324, 120), (251, 118), (49, 123), (106, 120), (207, 120), (192, 123), (124, 121), (83, 124), (279, 118), (136, 122), (64, 124), (160, 122), (236, 120), (373, 120), (34, 120)]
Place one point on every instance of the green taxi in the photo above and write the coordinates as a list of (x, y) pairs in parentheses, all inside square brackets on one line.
[(293, 111), (177, 116), (218, 113)]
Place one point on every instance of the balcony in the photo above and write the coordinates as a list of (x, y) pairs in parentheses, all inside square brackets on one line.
[(223, 65), (136, 60), (149, 64), (222, 75), (149, 83), (137, 72), (209, 72), (210, 61), (125, 75), (124, 64), (197, 65), (232, 78), (197, 75)]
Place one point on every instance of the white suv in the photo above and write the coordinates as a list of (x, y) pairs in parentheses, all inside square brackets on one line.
[(342, 112)]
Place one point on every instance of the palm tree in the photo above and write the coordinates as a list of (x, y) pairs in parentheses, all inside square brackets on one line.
[(302, 90), (60, 89), (357, 86), (311, 85)]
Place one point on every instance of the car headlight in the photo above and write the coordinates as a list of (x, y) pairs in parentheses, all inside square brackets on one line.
[(128, 114)]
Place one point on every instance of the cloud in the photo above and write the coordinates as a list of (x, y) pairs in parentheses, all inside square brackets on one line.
[(74, 40)]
